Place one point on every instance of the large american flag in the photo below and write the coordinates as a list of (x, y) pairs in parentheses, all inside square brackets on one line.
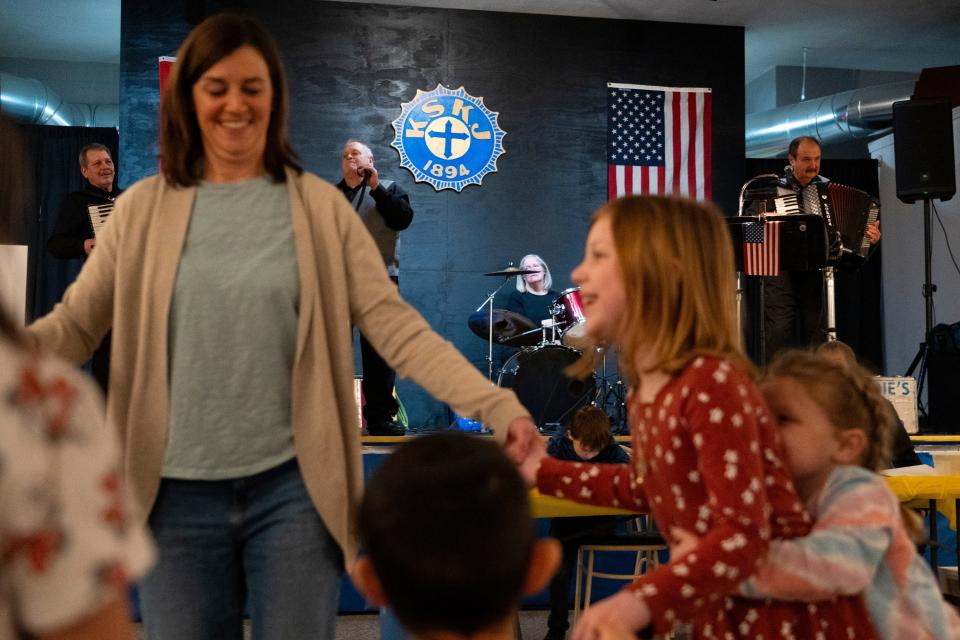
[(658, 141), (761, 248)]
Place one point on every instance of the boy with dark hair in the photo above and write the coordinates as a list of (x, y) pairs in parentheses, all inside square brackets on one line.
[(449, 540), (588, 439)]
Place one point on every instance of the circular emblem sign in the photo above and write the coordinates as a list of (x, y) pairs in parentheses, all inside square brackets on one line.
[(447, 138)]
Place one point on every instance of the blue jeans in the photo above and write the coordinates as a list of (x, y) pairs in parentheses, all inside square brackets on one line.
[(390, 628), (222, 543)]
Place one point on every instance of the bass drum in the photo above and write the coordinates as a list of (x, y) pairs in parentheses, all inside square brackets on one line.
[(536, 375)]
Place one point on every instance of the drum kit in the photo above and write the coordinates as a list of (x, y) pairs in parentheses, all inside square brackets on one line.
[(536, 372)]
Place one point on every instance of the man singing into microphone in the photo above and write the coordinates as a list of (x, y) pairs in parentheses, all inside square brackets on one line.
[(386, 211)]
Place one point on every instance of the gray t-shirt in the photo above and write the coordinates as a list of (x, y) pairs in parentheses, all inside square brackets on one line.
[(233, 332)]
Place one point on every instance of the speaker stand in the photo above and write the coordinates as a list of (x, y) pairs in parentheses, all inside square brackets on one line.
[(928, 290)]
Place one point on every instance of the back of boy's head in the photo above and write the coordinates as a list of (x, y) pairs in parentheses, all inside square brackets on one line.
[(676, 260), (590, 427), (446, 524), (847, 394)]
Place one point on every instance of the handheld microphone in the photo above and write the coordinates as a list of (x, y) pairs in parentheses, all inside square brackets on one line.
[(788, 170), (362, 172)]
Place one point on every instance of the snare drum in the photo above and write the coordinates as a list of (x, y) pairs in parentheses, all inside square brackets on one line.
[(570, 318), (536, 375)]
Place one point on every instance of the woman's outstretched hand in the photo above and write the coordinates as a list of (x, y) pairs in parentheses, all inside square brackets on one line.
[(525, 447)]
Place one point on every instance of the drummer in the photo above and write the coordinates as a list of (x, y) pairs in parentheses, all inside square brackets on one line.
[(533, 297)]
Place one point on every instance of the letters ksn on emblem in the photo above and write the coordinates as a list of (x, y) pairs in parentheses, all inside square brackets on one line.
[(448, 138)]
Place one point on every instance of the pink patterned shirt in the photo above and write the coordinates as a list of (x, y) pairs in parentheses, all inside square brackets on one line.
[(66, 541)]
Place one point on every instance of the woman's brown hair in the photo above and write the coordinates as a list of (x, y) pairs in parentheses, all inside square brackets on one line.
[(676, 259), (181, 145)]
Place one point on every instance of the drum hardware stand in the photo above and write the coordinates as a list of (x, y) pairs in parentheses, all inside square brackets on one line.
[(550, 323), (489, 301), (612, 393), (550, 428), (928, 290), (829, 276)]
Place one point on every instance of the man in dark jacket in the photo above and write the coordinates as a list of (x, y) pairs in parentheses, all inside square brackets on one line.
[(74, 236), (386, 211)]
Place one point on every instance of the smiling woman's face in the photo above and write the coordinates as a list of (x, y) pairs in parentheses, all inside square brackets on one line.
[(233, 102)]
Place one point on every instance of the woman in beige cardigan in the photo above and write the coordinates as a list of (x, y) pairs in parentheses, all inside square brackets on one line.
[(231, 282)]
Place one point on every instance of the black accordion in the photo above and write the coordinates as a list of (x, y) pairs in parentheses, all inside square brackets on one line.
[(846, 210)]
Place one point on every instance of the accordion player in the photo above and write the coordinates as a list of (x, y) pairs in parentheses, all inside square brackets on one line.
[(847, 211)]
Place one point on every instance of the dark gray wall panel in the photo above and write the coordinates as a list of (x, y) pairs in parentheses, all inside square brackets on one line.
[(351, 66)]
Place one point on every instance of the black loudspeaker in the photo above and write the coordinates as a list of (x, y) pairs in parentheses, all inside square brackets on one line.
[(923, 144)]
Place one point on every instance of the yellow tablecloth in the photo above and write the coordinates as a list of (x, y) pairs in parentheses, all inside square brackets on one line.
[(934, 438), (916, 491)]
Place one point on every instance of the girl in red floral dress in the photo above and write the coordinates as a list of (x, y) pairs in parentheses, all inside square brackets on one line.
[(658, 279)]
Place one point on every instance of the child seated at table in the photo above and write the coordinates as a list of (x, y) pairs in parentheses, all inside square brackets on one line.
[(449, 540), (836, 431), (589, 439)]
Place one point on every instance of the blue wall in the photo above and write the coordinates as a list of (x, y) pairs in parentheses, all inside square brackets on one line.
[(352, 65)]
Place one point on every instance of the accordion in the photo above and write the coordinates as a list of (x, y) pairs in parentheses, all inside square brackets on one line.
[(846, 210), (98, 216)]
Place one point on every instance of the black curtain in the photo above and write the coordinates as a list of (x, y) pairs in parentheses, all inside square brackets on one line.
[(52, 159), (859, 297)]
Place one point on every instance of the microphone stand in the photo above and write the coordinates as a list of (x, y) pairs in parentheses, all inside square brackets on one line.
[(740, 283), (489, 301)]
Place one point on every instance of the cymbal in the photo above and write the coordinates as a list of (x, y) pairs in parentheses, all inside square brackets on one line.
[(510, 271), (506, 324)]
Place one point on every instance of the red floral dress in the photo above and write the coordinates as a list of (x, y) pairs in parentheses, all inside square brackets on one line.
[(66, 541), (707, 458)]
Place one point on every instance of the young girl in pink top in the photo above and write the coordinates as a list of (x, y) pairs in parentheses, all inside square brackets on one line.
[(658, 279), (836, 430)]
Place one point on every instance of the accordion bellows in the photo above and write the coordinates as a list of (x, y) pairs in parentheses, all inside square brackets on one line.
[(847, 212)]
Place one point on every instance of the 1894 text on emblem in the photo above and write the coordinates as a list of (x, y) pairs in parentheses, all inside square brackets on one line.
[(448, 138)]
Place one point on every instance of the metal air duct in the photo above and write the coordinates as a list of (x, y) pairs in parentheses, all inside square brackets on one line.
[(858, 113), (30, 100)]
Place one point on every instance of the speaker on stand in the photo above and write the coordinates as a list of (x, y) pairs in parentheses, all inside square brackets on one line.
[(923, 151)]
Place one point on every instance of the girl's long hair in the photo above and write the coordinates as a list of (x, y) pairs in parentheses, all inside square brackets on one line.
[(675, 256)]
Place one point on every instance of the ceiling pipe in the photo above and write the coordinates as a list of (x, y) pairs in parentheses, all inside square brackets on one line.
[(29, 100), (854, 114)]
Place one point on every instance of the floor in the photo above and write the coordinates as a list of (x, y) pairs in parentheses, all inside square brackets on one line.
[(533, 626)]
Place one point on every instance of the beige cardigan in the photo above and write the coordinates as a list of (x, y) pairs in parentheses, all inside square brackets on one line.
[(127, 284)]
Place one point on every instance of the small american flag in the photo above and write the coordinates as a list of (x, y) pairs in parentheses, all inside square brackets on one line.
[(761, 248), (658, 141)]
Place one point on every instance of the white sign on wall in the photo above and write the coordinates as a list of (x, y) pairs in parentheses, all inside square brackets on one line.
[(902, 393)]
